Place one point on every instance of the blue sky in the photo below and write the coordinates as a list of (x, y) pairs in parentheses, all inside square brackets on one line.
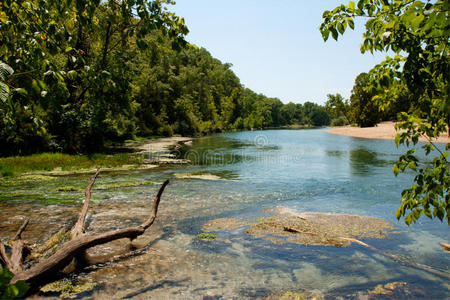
[(275, 46)]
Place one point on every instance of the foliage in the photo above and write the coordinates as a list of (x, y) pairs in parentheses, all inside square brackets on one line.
[(338, 109), (85, 73), (418, 34), (11, 291), (364, 111), (66, 91)]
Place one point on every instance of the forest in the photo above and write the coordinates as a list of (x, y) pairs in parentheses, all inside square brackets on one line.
[(76, 76)]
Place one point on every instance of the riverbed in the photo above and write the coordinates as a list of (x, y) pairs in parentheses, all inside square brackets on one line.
[(241, 175)]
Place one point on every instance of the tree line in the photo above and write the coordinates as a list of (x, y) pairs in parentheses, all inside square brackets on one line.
[(78, 75)]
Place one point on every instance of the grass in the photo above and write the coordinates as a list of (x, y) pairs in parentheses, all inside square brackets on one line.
[(16, 165)]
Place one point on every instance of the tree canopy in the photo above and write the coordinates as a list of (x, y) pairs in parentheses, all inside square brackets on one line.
[(417, 32)]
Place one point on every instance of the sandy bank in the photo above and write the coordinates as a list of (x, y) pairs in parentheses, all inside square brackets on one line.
[(383, 131)]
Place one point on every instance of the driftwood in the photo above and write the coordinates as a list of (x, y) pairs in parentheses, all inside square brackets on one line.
[(71, 250), (295, 230), (446, 246), (397, 259)]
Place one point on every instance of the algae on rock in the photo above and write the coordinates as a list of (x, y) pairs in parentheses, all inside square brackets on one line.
[(308, 228)]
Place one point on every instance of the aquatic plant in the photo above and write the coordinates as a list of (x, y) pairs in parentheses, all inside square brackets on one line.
[(208, 236), (68, 289)]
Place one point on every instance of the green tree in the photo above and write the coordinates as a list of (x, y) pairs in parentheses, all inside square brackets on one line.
[(65, 81), (364, 111), (338, 109), (418, 33)]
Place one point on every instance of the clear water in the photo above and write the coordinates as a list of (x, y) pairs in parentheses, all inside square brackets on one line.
[(307, 170)]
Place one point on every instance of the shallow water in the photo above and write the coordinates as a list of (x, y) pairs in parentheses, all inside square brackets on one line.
[(307, 170)]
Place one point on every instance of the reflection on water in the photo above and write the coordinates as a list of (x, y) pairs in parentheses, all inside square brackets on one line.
[(362, 161), (306, 170)]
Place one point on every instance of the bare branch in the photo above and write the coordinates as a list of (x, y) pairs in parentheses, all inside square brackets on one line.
[(18, 235), (156, 201), (78, 228), (5, 260)]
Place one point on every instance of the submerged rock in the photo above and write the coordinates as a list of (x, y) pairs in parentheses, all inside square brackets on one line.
[(204, 176), (308, 228), (296, 295)]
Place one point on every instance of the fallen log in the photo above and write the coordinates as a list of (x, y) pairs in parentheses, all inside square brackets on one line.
[(76, 247)]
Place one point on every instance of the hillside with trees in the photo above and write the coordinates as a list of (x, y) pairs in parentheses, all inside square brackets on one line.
[(78, 75)]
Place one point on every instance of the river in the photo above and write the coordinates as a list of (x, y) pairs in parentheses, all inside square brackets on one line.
[(305, 170)]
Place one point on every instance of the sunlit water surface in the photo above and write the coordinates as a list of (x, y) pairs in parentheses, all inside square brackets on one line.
[(307, 170)]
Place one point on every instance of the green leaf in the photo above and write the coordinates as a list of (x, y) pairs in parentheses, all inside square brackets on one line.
[(351, 23), (325, 34), (340, 28), (4, 92), (361, 4), (16, 290), (351, 4), (398, 214), (5, 71), (408, 220), (396, 170), (397, 139), (334, 33), (5, 277), (68, 49), (21, 91), (72, 74)]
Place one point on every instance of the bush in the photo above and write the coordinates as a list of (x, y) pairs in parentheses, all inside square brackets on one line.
[(165, 130), (341, 121)]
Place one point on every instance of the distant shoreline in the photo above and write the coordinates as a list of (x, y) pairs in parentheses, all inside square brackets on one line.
[(383, 131)]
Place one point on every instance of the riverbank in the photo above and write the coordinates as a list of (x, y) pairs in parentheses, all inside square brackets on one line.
[(143, 154), (383, 131)]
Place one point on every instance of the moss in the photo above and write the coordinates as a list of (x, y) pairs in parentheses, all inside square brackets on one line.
[(36, 177), (67, 189), (208, 236), (123, 184), (104, 186), (68, 289)]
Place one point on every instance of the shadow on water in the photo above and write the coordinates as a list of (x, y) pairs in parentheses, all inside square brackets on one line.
[(223, 151)]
